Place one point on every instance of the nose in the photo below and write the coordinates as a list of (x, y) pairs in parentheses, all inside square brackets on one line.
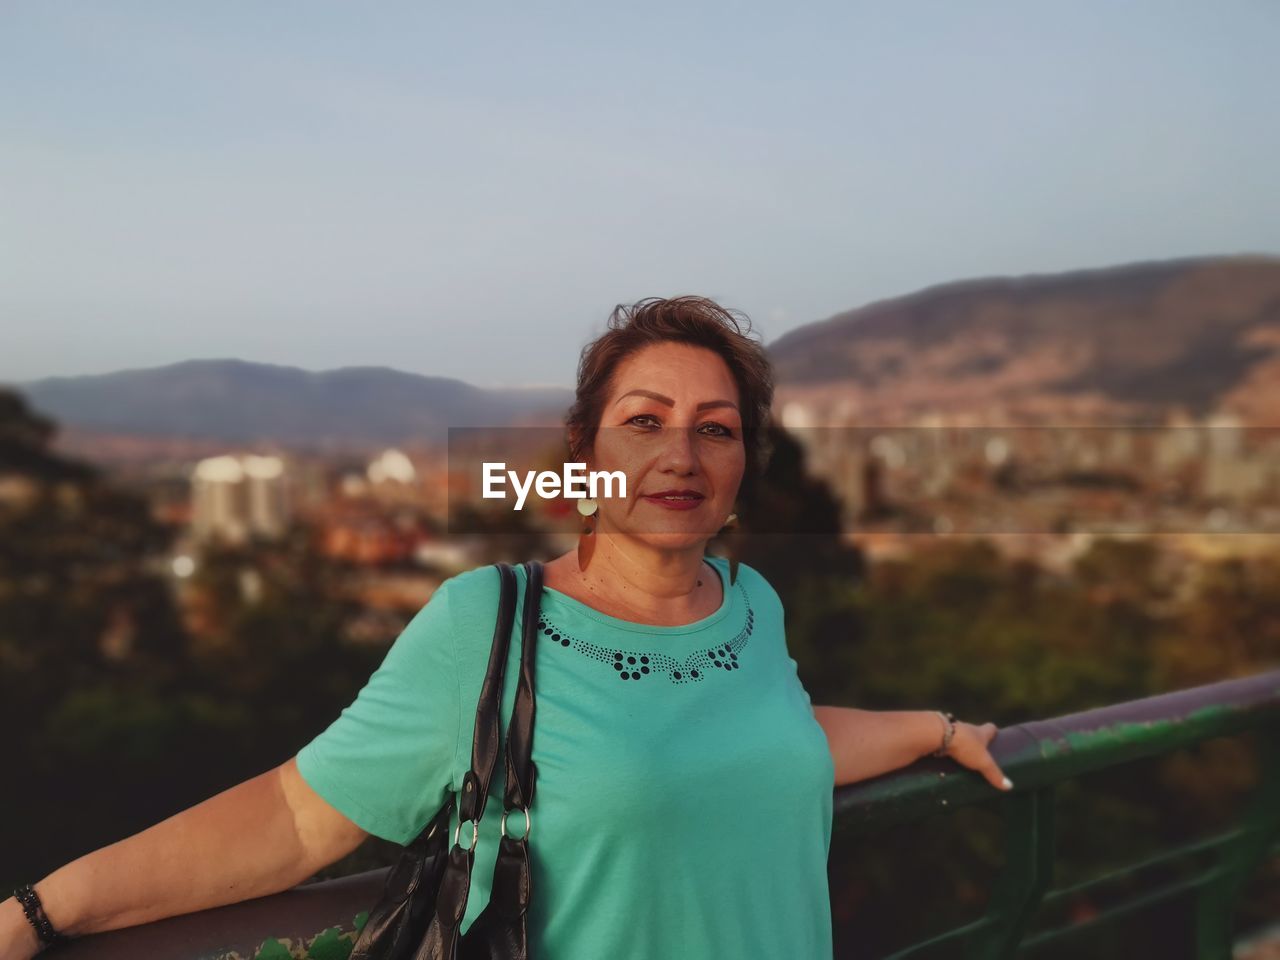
[(679, 450)]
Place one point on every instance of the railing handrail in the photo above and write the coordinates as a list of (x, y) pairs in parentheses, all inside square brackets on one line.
[(1041, 752), (1036, 755), (1039, 755)]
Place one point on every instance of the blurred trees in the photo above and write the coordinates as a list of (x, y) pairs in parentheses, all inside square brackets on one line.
[(115, 719), (791, 532)]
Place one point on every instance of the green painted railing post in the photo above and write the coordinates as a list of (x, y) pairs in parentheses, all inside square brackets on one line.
[(1029, 841), (1260, 827)]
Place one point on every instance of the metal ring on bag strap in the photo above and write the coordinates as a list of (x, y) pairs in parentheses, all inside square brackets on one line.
[(527, 825), (475, 832)]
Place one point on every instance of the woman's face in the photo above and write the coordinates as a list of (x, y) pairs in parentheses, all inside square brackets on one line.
[(672, 425)]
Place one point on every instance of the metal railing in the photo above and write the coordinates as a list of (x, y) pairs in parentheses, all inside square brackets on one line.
[(1040, 755), (318, 920)]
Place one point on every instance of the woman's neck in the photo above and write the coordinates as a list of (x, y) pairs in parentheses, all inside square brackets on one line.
[(634, 582)]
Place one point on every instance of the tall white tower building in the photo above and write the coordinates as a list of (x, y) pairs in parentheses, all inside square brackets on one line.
[(234, 497)]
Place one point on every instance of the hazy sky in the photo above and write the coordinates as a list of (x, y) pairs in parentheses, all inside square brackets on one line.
[(468, 193)]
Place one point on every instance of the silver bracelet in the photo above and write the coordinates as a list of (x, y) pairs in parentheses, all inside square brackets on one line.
[(950, 720)]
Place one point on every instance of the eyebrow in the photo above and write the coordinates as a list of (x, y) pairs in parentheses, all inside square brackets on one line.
[(671, 403)]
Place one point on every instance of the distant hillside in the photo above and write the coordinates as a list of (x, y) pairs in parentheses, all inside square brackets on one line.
[(1130, 342), (239, 402)]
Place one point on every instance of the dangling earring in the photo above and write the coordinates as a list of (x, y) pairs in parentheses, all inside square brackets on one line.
[(586, 539), (731, 523)]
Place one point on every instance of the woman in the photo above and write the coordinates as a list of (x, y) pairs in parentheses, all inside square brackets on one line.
[(684, 792)]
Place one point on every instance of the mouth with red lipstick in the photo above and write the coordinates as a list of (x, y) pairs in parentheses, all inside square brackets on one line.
[(683, 499)]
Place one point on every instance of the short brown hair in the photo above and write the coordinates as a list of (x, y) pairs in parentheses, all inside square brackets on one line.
[(689, 319)]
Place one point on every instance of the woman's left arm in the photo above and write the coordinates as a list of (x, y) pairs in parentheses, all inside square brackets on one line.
[(867, 743)]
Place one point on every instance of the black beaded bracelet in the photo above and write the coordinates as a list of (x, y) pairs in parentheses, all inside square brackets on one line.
[(34, 909)]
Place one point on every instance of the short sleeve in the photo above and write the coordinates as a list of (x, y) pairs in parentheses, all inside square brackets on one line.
[(771, 602), (387, 761)]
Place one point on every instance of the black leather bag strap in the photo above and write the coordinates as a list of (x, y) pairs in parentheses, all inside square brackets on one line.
[(500, 931), (521, 775), (485, 743), (441, 939)]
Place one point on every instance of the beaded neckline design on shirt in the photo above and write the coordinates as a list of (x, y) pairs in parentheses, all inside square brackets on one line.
[(643, 664)]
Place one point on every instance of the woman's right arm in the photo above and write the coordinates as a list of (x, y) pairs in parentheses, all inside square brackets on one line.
[(259, 837)]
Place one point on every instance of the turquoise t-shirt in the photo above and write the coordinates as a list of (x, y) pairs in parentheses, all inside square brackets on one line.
[(684, 796)]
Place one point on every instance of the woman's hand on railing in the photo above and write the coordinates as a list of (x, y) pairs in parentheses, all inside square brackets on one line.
[(969, 748)]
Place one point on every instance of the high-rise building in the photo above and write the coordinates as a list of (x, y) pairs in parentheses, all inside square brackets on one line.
[(238, 496)]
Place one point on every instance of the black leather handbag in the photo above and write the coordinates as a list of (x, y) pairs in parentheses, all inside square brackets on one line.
[(424, 900)]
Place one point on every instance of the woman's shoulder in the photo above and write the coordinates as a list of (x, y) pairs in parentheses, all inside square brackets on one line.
[(471, 589), (472, 595), (755, 584)]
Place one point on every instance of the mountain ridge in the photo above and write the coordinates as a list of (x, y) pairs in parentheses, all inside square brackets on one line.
[(235, 400), (1132, 341), (1138, 342)]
